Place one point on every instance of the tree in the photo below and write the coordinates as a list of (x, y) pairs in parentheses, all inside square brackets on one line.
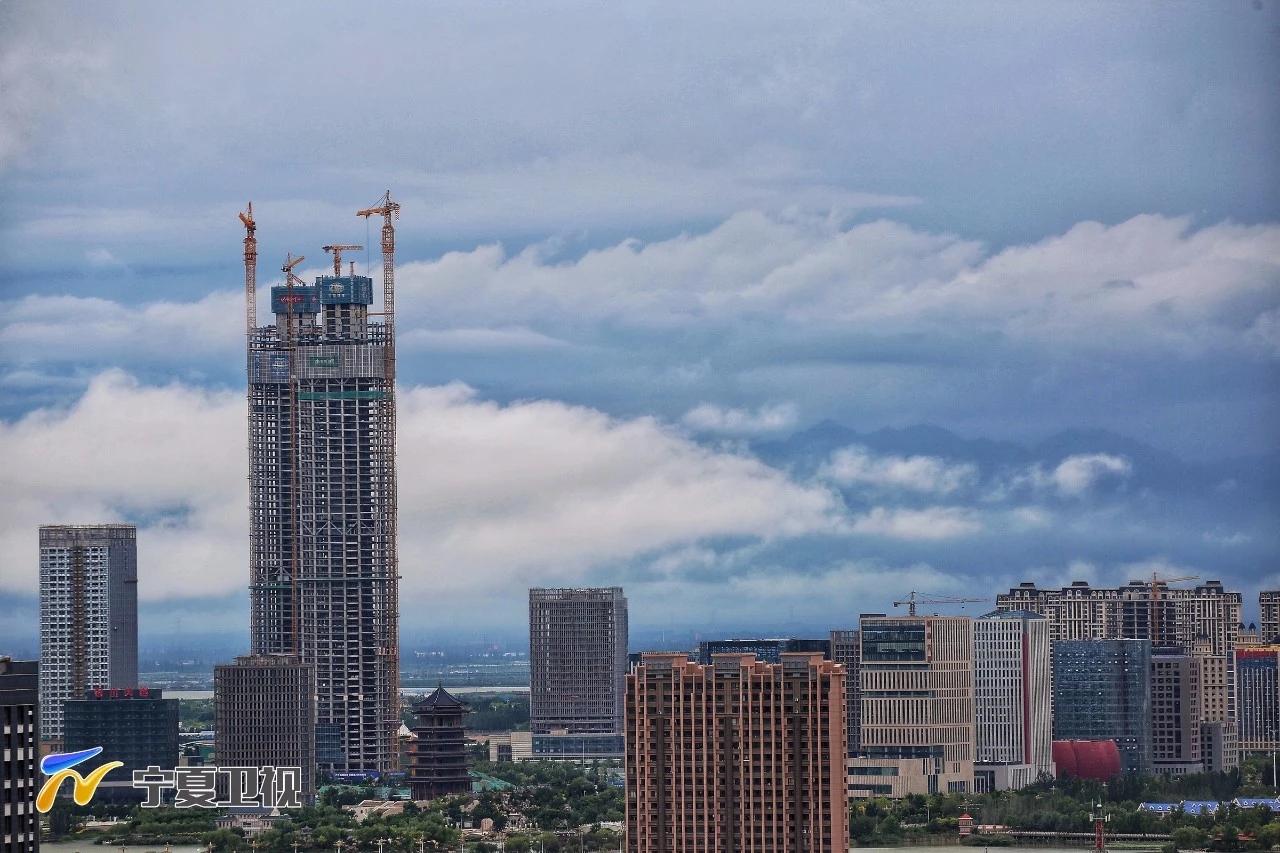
[(1189, 838)]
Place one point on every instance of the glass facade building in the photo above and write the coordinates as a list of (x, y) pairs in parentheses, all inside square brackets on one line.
[(1102, 691), (136, 726)]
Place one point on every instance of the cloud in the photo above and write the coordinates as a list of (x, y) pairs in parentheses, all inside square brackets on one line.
[(101, 257), (1190, 287), (542, 491), (856, 465), (925, 524), (582, 114), (508, 339), (490, 495), (53, 329), (709, 417), (1076, 475), (171, 456), (40, 74), (1194, 289)]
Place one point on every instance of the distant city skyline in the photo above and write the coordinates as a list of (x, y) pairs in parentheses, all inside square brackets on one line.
[(767, 315)]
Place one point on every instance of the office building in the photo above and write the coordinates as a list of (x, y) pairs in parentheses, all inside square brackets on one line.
[(740, 756), (134, 725), (88, 614), (264, 714), (1175, 712), (577, 660), (1258, 682), (19, 755), (438, 755), (1102, 691), (1269, 608), (846, 650), (917, 706), (1013, 700), (322, 498)]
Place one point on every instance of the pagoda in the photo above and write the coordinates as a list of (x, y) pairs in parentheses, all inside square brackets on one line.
[(438, 756)]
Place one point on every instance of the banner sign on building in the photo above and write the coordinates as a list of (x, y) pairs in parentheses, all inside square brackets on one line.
[(305, 299)]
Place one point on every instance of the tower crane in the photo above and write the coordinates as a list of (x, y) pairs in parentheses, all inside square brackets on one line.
[(289, 263), (1154, 585), (388, 210), (337, 255), (250, 270), (913, 598)]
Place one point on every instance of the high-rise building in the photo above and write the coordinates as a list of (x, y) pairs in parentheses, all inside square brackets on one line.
[(438, 755), (322, 498), (1102, 691), (740, 756), (264, 715), (1174, 617), (1219, 731), (846, 650), (1013, 700), (1175, 712), (88, 614), (1258, 681), (1269, 608), (577, 660), (137, 726), (767, 650), (917, 706), (19, 755)]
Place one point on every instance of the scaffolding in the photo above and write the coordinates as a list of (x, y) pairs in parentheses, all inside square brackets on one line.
[(323, 505)]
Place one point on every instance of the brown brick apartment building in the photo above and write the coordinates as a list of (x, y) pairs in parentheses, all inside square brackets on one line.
[(740, 756)]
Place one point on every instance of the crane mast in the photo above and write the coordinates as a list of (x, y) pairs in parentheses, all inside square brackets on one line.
[(389, 210), (294, 474), (250, 270)]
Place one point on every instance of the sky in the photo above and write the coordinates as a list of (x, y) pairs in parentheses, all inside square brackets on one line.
[(769, 314)]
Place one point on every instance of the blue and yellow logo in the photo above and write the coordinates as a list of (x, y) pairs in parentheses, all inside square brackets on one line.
[(58, 767)]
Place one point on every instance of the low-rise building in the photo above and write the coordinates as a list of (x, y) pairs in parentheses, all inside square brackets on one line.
[(511, 746)]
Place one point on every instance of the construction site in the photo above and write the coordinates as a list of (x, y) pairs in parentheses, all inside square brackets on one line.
[(322, 475)]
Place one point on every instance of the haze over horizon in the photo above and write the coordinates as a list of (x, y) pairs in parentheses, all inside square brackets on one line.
[(768, 316)]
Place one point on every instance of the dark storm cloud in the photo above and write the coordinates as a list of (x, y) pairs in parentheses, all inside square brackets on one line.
[(649, 237)]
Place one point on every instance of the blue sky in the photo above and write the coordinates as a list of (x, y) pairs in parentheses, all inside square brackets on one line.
[(642, 247)]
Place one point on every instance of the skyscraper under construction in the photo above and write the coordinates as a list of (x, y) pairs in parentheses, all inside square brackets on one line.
[(322, 483)]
